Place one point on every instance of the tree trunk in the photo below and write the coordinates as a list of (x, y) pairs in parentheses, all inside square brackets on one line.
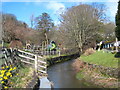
[(46, 38)]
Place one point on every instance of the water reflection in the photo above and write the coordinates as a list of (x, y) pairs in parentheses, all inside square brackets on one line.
[(63, 76)]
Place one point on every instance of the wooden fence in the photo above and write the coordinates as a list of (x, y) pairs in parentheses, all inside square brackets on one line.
[(44, 52), (38, 62), (6, 56)]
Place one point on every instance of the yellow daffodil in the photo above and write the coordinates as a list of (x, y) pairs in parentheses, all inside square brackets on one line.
[(10, 69), (5, 87), (7, 66), (5, 77), (1, 79), (2, 82), (8, 74), (10, 66), (3, 71), (3, 67), (1, 75), (14, 68)]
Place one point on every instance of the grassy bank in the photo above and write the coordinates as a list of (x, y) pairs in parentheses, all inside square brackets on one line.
[(23, 78), (97, 78), (100, 58)]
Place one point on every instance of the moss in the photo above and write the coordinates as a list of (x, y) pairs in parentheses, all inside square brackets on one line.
[(56, 59), (79, 75)]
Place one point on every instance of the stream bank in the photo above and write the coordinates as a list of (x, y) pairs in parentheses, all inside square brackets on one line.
[(94, 75)]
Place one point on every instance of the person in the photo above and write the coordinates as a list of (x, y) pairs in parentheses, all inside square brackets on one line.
[(53, 48), (101, 46), (97, 47)]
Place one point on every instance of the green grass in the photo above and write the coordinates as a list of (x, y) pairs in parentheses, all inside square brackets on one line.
[(6, 44), (2, 61), (100, 58), (23, 77)]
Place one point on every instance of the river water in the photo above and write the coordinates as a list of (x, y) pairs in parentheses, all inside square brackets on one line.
[(63, 76)]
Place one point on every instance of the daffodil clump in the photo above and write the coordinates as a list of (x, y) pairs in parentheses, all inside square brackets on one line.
[(5, 74)]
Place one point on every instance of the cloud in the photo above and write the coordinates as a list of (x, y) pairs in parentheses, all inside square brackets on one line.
[(112, 1), (112, 9), (57, 22), (55, 6)]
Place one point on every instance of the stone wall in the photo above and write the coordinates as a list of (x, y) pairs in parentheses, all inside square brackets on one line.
[(52, 61), (114, 72)]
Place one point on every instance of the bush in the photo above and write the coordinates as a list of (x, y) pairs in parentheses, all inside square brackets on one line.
[(89, 51)]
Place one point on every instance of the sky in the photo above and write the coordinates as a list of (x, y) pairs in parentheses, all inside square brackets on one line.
[(24, 9)]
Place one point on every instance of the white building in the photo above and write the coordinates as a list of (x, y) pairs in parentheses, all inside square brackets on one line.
[(117, 43)]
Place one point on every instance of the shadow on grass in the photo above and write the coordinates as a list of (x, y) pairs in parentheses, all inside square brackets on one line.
[(117, 55)]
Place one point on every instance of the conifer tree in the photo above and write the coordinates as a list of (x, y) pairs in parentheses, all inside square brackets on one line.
[(117, 31)]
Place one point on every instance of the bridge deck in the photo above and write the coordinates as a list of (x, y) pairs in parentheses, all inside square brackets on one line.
[(45, 83)]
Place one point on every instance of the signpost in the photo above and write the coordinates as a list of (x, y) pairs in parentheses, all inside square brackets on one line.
[(116, 45)]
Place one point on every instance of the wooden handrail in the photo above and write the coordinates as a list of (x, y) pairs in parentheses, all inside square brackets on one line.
[(27, 57), (26, 52)]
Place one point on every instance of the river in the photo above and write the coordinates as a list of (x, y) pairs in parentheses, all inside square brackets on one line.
[(63, 76)]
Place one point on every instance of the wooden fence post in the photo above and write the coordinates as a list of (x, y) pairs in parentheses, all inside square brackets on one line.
[(59, 52), (2, 43), (36, 60), (46, 66)]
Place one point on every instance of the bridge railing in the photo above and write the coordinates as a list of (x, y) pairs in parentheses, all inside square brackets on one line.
[(39, 62)]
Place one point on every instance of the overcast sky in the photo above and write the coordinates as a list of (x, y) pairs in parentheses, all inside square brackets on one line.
[(23, 9)]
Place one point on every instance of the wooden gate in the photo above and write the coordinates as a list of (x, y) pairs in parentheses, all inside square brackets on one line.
[(39, 63)]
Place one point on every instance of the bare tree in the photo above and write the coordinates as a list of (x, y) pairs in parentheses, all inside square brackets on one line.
[(14, 29), (109, 31), (82, 22), (9, 22), (32, 20)]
